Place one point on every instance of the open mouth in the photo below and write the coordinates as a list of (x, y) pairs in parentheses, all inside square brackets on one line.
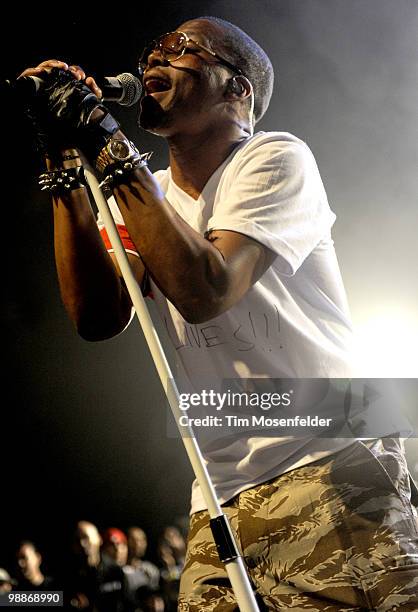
[(156, 84)]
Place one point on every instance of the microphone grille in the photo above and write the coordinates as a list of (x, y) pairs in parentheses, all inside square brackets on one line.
[(132, 88)]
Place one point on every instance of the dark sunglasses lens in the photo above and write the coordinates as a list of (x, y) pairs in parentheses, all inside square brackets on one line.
[(172, 45)]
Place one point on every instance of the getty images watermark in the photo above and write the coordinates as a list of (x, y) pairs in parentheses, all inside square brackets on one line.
[(321, 407), (232, 400)]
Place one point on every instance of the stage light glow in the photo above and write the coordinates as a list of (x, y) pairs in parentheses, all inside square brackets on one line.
[(386, 345)]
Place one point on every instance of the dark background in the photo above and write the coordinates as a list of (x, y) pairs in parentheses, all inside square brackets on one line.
[(83, 428)]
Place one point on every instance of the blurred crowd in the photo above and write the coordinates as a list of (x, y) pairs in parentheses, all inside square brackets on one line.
[(105, 571)]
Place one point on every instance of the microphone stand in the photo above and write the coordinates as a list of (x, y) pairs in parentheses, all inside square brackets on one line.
[(221, 530)]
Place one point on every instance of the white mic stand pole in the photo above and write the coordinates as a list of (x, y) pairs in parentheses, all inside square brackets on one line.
[(224, 539)]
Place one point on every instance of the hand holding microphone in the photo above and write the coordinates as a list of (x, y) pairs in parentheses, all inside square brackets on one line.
[(45, 68), (61, 104), (125, 88)]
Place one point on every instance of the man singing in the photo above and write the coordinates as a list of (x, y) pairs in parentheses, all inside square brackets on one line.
[(234, 241)]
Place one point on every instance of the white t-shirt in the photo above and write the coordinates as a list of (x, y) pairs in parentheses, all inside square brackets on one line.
[(293, 322)]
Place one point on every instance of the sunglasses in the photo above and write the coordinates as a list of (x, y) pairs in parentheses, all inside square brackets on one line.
[(174, 45)]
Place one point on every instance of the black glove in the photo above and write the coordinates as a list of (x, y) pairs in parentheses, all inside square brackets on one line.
[(51, 132), (61, 115)]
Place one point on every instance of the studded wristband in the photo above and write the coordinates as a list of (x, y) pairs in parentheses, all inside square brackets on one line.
[(62, 181)]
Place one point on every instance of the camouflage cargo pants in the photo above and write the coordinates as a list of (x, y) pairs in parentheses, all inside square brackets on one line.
[(338, 534)]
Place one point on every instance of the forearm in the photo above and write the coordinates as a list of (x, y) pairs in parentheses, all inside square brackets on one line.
[(90, 287), (188, 269)]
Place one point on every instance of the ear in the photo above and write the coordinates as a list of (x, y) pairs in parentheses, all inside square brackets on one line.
[(238, 87)]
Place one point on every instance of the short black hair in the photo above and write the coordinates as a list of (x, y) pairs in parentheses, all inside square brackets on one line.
[(242, 51), (27, 543)]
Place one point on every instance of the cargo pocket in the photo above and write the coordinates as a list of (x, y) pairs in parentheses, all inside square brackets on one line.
[(393, 476), (394, 588)]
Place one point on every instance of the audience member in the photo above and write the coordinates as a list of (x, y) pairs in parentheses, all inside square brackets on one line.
[(145, 572), (142, 576), (94, 583), (6, 581), (175, 542), (171, 550), (29, 573), (137, 544), (115, 545)]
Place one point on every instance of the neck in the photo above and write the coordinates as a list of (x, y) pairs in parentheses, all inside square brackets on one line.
[(195, 157), (93, 560), (36, 577), (135, 561)]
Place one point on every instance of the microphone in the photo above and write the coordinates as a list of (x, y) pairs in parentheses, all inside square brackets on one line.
[(124, 89)]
